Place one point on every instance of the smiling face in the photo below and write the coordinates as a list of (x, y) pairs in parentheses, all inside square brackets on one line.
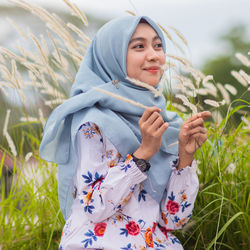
[(145, 55)]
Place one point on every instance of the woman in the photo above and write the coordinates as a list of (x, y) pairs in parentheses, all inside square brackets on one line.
[(120, 161)]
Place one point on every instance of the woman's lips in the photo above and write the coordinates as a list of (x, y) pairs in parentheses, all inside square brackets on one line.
[(153, 70)]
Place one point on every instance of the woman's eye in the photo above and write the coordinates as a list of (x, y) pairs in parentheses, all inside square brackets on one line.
[(138, 46), (158, 45)]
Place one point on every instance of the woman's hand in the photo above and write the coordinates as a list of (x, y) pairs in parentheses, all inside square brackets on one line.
[(152, 127), (192, 135)]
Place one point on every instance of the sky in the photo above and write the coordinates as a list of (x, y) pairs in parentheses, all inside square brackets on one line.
[(199, 21)]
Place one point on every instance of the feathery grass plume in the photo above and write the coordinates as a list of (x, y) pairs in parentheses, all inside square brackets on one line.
[(2, 60), (44, 58), (239, 78), (63, 69), (224, 93), (179, 78), (212, 103), (130, 12), (6, 94), (50, 20), (79, 33), (5, 73), (187, 103), (41, 116), (180, 59), (10, 54), (121, 98), (166, 32), (217, 117), (211, 89), (188, 83), (195, 73), (231, 89), (29, 119), (190, 93), (179, 107), (77, 12), (54, 102), (6, 134), (231, 168), (147, 86), (243, 59), (172, 144), (18, 28), (201, 91), (168, 65), (207, 79), (245, 75), (27, 156), (178, 46), (178, 33), (55, 46)]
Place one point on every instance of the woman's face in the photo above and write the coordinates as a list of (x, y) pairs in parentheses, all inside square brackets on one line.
[(145, 55)]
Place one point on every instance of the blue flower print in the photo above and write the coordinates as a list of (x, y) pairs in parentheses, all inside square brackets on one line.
[(109, 154), (171, 197), (88, 178), (88, 208), (142, 195), (125, 167), (89, 241), (128, 247), (184, 206), (88, 131)]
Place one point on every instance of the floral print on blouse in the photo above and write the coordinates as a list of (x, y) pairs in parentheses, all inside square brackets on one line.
[(112, 211)]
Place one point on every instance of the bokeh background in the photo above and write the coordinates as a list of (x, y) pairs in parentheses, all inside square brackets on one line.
[(209, 34)]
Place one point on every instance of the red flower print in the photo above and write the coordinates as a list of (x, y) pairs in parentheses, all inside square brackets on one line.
[(165, 231), (153, 228), (100, 229), (172, 207), (133, 228)]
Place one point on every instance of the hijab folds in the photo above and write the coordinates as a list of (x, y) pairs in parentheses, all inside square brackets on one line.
[(104, 63)]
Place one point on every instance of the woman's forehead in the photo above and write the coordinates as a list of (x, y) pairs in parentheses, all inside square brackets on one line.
[(144, 31)]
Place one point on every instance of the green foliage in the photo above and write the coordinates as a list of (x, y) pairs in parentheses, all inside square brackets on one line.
[(221, 216), (30, 216)]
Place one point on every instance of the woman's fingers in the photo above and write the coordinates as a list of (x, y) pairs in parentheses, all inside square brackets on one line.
[(199, 138), (199, 130), (203, 115), (162, 129), (152, 118), (156, 125), (148, 112), (195, 123)]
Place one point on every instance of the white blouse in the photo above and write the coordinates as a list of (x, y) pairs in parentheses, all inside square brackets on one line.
[(112, 211)]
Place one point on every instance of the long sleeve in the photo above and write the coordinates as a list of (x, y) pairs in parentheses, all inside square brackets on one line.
[(101, 172), (179, 197)]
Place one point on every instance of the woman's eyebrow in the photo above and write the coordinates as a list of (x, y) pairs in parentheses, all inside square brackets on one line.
[(143, 39)]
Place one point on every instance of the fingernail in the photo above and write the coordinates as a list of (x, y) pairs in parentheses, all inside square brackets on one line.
[(186, 126)]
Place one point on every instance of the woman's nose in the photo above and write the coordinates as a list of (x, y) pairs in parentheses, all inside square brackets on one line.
[(152, 55)]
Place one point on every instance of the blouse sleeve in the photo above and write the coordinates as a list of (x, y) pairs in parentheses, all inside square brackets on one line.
[(104, 180), (179, 197)]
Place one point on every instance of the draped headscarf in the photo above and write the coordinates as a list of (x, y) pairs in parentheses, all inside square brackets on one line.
[(104, 63)]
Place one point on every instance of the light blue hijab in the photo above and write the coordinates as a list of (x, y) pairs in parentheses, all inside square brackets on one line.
[(104, 62)]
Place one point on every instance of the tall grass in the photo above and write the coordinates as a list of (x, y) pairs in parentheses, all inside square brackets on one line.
[(30, 216)]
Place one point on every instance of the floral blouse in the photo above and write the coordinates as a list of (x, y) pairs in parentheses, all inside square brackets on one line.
[(112, 211)]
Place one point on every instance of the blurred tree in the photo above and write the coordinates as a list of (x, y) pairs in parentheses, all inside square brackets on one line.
[(237, 41)]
